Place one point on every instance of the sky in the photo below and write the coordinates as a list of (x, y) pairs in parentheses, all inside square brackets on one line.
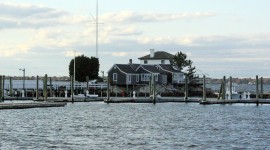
[(221, 37)]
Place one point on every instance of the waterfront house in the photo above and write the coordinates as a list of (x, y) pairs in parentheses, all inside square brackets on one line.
[(156, 63)]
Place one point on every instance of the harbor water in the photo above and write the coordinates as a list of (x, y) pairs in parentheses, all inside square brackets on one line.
[(137, 126)]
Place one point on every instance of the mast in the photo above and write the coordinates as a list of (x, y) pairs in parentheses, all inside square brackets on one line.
[(97, 30)]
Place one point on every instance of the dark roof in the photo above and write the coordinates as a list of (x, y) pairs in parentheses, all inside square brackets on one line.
[(169, 68), (126, 68), (158, 55), (134, 66), (152, 68)]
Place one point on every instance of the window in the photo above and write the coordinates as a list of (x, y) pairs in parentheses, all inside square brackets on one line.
[(114, 76), (145, 62), (137, 78), (129, 78), (145, 77), (162, 61), (156, 77)]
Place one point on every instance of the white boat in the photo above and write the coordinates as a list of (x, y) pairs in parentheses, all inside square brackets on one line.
[(234, 94), (91, 96)]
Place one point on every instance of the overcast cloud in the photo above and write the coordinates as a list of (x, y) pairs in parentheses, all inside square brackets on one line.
[(40, 36)]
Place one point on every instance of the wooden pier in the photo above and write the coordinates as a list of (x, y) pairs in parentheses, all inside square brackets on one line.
[(31, 105), (236, 101), (150, 100), (69, 99)]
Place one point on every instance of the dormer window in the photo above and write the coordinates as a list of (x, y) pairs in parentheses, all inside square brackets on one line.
[(162, 61), (145, 62)]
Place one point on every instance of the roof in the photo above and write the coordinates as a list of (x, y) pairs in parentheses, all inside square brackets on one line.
[(158, 55), (153, 69), (126, 68), (168, 67), (134, 66)]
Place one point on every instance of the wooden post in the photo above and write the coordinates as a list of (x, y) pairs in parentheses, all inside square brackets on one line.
[(257, 88), (1, 89), (87, 83), (224, 88), (10, 87), (154, 88), (150, 85), (261, 87), (220, 90), (45, 88), (230, 87), (51, 87), (204, 89), (126, 90), (37, 86), (72, 88), (108, 88), (186, 88)]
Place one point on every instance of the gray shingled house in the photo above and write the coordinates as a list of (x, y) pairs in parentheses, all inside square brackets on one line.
[(158, 64)]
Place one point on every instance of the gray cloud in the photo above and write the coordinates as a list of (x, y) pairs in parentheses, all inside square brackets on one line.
[(29, 16), (29, 11), (134, 17)]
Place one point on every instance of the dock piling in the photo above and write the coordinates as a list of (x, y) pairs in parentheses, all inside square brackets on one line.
[(154, 88), (261, 87), (37, 86), (51, 94), (45, 87), (224, 88), (257, 88), (186, 88), (230, 88), (204, 89), (108, 89), (72, 88), (10, 87), (1, 89)]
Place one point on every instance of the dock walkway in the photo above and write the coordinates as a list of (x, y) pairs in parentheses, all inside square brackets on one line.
[(31, 105), (234, 101)]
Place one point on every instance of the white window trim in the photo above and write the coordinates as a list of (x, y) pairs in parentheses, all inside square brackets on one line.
[(156, 76), (137, 78), (115, 77), (129, 78)]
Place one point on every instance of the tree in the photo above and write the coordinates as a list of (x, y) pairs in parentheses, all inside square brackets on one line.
[(180, 61), (191, 72), (84, 66)]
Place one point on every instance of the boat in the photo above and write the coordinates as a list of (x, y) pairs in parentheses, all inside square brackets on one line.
[(234, 94)]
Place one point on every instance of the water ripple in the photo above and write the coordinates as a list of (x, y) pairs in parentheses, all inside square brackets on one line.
[(136, 126)]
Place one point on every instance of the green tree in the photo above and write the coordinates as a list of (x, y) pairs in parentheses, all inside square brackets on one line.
[(191, 72), (180, 61), (84, 66)]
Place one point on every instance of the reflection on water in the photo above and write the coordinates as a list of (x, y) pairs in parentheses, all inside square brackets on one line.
[(137, 126)]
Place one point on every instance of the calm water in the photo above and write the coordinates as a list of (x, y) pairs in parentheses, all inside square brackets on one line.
[(137, 126)]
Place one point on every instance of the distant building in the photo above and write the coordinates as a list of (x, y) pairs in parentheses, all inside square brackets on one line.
[(157, 64)]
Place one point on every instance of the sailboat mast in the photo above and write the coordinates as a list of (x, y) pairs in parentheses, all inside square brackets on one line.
[(97, 30)]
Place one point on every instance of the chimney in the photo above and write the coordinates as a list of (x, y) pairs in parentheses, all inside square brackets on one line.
[(152, 53), (130, 61)]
